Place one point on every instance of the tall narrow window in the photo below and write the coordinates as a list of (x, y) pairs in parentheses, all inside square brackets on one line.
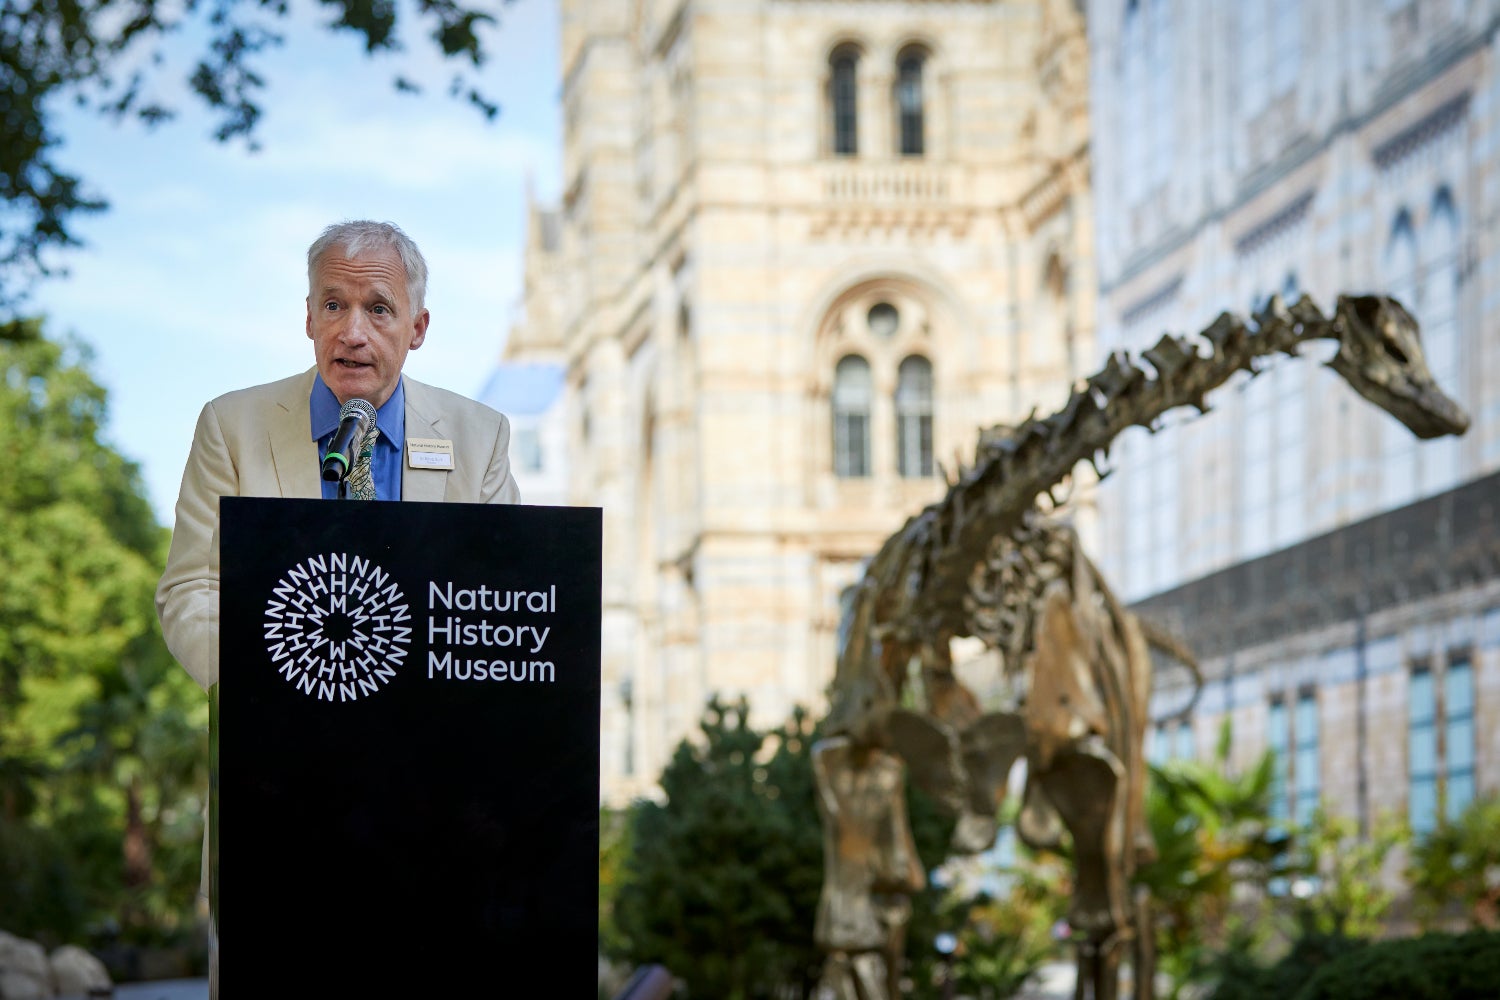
[(914, 418), (852, 395), (909, 101), (1278, 741), (843, 101), (1182, 745), (1437, 305), (1399, 479), (526, 449), (1171, 741), (1422, 753), (1458, 735), (1305, 762)]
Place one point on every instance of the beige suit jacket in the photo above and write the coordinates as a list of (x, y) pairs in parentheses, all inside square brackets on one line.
[(257, 442)]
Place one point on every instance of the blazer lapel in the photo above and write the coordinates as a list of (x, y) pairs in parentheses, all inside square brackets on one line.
[(289, 434), (421, 484)]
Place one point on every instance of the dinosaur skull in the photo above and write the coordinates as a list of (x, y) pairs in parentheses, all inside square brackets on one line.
[(1380, 355)]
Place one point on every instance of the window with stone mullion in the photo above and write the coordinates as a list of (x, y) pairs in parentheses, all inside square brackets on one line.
[(1458, 736), (914, 418), (852, 397), (1422, 752)]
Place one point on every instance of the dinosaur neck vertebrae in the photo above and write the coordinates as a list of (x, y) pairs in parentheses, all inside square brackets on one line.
[(931, 561)]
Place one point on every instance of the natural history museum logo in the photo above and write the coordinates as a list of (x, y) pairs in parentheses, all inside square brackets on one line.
[(337, 627)]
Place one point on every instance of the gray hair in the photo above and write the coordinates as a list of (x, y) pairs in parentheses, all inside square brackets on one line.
[(361, 236)]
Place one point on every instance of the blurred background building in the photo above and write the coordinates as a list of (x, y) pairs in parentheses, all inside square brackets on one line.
[(804, 251), (1341, 578)]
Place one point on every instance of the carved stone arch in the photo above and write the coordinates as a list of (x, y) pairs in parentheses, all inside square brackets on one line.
[(844, 41), (883, 314), (858, 318), (1444, 221), (915, 42), (949, 316), (1399, 254)]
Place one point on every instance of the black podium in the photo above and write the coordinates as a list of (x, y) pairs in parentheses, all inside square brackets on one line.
[(405, 792)]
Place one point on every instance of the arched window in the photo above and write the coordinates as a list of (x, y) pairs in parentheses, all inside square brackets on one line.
[(914, 418), (852, 396), (843, 94), (1400, 263), (1437, 300), (909, 101), (1399, 479)]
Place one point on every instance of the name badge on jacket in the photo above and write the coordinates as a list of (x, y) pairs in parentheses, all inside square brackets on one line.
[(429, 453)]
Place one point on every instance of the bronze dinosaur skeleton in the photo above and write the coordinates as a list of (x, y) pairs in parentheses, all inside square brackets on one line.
[(989, 561)]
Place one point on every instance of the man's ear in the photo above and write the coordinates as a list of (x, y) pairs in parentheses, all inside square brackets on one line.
[(419, 329), (308, 300)]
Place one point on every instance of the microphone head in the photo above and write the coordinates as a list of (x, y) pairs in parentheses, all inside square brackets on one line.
[(358, 408), (341, 452)]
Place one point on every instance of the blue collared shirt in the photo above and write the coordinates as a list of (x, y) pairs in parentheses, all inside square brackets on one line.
[(385, 460)]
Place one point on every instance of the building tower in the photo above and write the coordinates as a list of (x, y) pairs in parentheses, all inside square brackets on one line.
[(803, 252)]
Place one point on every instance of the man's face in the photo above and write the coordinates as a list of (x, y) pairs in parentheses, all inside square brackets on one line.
[(360, 321)]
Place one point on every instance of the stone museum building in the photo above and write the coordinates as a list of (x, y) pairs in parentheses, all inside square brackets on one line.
[(803, 251), (1340, 578)]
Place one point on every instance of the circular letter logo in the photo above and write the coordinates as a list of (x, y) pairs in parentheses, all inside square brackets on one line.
[(337, 627)]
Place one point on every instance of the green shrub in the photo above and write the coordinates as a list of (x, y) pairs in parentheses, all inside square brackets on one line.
[(40, 897), (1323, 966), (1242, 978), (1430, 967)]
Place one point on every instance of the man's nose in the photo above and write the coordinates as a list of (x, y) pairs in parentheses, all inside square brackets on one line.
[(356, 329)]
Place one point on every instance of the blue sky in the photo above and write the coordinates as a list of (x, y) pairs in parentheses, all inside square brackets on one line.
[(193, 282)]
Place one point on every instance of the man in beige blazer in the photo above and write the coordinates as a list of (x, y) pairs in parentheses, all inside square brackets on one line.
[(366, 286), (365, 313)]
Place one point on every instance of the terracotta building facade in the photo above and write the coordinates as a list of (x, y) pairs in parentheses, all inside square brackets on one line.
[(804, 251)]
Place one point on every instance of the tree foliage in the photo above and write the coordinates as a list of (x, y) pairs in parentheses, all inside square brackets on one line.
[(721, 885), (1002, 928), (721, 877), (108, 55), (101, 749), (1455, 869), (1339, 874), (1214, 839)]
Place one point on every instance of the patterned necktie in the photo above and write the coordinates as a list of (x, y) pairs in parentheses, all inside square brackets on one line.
[(361, 482)]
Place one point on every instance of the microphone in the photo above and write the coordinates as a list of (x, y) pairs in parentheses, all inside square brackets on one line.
[(356, 421)]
